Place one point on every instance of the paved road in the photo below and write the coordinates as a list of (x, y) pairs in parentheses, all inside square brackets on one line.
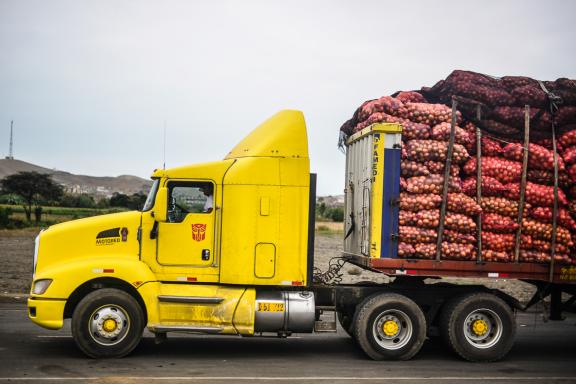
[(544, 353)]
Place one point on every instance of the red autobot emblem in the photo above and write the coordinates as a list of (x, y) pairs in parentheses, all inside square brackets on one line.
[(198, 231)]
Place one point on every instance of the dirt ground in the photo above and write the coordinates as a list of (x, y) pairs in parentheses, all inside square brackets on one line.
[(16, 259), (17, 250)]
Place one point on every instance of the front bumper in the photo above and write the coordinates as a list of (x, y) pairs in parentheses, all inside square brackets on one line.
[(47, 313)]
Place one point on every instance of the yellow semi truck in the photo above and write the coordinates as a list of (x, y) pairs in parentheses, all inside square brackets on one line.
[(226, 247)]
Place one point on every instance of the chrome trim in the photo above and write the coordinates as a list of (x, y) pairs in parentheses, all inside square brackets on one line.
[(190, 299), (185, 328)]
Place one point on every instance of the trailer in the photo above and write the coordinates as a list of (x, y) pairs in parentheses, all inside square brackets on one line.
[(476, 322), (227, 247)]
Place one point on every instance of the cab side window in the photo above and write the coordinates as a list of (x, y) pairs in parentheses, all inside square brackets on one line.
[(185, 198)]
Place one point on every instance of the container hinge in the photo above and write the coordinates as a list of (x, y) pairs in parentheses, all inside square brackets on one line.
[(394, 201), (394, 237)]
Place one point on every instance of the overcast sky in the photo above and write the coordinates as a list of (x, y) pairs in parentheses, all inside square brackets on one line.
[(90, 83)]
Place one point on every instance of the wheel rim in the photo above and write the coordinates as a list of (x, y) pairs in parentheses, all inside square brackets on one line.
[(483, 328), (392, 329), (109, 325)]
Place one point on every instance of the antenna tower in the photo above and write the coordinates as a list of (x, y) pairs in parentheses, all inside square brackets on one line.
[(11, 152)]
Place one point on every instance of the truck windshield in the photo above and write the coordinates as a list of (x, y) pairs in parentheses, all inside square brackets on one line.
[(151, 196)]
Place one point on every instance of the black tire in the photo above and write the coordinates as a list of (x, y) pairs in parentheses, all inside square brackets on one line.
[(478, 327), (107, 308), (379, 341)]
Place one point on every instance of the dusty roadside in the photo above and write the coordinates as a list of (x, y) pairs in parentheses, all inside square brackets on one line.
[(17, 250)]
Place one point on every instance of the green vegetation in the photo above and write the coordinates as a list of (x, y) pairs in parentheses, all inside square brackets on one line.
[(324, 212), (32, 189), (27, 193), (13, 216)]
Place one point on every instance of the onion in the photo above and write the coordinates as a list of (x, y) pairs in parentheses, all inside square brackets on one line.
[(490, 186), (501, 206), (495, 256), (405, 250), (455, 221), (431, 184), (542, 231), (424, 150), (419, 202), (503, 170), (415, 235), (498, 223), (537, 194), (538, 156)]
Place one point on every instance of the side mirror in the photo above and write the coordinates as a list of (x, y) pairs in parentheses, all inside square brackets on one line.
[(161, 205)]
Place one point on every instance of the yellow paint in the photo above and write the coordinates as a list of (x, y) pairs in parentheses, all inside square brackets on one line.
[(256, 235), (379, 127), (282, 135), (264, 206), (179, 244), (203, 315), (109, 325), (480, 327), (390, 328), (49, 313), (265, 260), (377, 189), (244, 316)]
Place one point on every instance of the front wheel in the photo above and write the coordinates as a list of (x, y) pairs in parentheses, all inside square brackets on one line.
[(107, 323), (478, 327), (390, 326)]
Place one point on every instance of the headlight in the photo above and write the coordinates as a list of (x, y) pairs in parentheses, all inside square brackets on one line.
[(40, 286)]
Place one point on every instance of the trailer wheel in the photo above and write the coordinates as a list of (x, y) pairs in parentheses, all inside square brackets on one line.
[(107, 323), (390, 326), (478, 327)]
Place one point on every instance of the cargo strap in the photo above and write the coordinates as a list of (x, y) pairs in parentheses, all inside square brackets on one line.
[(554, 101)]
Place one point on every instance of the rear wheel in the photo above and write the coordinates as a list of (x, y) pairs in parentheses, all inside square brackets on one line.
[(107, 323), (390, 326), (478, 327)]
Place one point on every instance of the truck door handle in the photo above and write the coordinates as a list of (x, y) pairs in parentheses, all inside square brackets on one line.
[(205, 254)]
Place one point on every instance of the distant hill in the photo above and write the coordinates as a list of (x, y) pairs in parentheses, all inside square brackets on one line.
[(331, 201), (97, 186)]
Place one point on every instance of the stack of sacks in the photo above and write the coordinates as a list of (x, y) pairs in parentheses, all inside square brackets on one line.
[(501, 174), (502, 104), (426, 131)]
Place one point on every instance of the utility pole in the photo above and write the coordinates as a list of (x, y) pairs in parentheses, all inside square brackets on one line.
[(11, 152)]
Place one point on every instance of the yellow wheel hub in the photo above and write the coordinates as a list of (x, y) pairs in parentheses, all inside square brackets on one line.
[(109, 325), (479, 327), (390, 328)]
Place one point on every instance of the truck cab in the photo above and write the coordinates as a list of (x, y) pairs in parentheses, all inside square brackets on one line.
[(224, 247)]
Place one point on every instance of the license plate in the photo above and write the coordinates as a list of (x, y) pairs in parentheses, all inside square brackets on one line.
[(270, 307)]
